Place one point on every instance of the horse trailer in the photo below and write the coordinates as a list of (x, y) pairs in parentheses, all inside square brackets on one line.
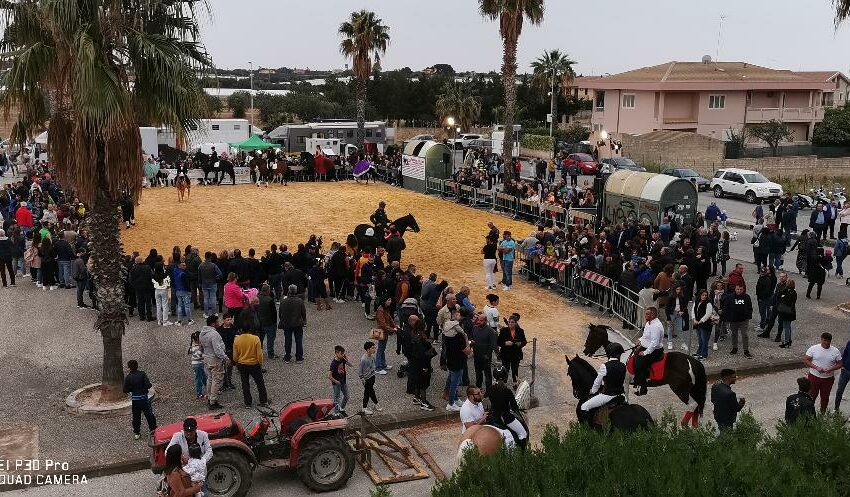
[(648, 198)]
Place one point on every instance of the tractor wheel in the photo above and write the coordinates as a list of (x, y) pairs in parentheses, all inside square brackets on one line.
[(228, 474), (325, 463)]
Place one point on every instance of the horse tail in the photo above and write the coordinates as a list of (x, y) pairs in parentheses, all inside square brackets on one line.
[(700, 388), (465, 445)]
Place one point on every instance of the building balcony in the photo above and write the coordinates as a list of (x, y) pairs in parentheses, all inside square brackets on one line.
[(785, 114)]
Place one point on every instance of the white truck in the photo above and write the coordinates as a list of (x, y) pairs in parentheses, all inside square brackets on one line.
[(498, 137), (330, 146)]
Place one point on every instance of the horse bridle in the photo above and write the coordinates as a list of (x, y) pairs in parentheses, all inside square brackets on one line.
[(604, 354)]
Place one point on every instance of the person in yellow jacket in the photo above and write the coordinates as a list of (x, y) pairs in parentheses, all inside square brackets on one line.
[(248, 357)]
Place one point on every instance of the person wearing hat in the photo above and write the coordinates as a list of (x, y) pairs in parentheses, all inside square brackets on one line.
[(192, 435), (610, 379), (727, 405)]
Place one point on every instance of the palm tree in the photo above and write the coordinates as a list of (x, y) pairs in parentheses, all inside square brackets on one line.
[(553, 70), (457, 100), (842, 11), (511, 14), (96, 70), (365, 38)]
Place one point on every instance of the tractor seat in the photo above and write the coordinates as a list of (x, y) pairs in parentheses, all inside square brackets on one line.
[(296, 423)]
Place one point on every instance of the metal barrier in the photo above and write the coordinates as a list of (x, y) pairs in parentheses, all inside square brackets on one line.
[(433, 185), (450, 189), (483, 198), (624, 304), (528, 210), (466, 194), (593, 288), (502, 202)]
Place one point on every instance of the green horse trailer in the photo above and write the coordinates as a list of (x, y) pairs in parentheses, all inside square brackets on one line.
[(424, 159), (648, 198)]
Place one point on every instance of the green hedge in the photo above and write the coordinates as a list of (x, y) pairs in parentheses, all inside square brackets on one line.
[(537, 142), (574, 133), (800, 460)]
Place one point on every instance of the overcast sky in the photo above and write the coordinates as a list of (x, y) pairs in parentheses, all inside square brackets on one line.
[(603, 37)]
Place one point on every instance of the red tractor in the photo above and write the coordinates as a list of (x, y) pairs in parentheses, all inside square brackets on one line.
[(304, 435)]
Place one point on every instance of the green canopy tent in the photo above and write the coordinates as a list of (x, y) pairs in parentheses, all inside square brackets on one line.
[(253, 143)]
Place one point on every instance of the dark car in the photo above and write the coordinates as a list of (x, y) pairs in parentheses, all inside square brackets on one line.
[(688, 174), (617, 163), (585, 162)]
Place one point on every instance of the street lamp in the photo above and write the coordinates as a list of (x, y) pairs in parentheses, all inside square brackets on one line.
[(251, 76), (450, 125), (552, 104)]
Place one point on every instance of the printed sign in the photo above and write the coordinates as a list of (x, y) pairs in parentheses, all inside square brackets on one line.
[(413, 167)]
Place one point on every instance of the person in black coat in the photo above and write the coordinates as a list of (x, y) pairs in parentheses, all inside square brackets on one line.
[(511, 341), (801, 403), (141, 279), (727, 405), (815, 272), (394, 247)]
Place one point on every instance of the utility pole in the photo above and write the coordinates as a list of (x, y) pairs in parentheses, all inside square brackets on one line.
[(719, 34), (552, 105), (251, 76)]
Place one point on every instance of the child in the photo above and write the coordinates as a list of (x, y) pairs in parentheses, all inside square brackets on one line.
[(196, 467), (197, 354), (137, 384), (336, 374), (366, 371)]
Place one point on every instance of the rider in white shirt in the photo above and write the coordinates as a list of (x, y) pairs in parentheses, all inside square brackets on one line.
[(611, 378), (648, 348)]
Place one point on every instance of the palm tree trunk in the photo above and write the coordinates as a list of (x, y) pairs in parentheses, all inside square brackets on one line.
[(106, 273), (361, 113), (509, 83), (554, 110)]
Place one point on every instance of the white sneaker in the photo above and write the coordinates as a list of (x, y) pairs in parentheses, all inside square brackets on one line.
[(450, 407), (205, 316), (505, 287), (459, 403), (669, 345), (684, 347), (167, 323), (381, 371), (388, 367), (378, 408), (366, 411), (714, 347), (190, 323)]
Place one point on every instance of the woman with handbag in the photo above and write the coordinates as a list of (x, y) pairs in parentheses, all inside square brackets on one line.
[(704, 317), (385, 325), (786, 311), (179, 483)]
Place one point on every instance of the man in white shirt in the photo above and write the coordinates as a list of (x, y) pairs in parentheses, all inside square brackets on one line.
[(472, 411), (648, 348), (823, 360)]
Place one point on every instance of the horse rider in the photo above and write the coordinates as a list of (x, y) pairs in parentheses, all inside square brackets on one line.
[(648, 348), (503, 405), (182, 170), (611, 378), (379, 218)]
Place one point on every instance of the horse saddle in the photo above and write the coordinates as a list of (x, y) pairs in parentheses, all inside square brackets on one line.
[(656, 370), (600, 414)]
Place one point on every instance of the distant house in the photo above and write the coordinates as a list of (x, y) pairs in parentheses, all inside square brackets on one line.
[(710, 98)]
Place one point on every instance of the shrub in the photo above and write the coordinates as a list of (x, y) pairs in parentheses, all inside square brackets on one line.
[(537, 142), (800, 460)]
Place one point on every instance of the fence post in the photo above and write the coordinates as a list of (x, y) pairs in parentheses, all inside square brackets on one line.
[(533, 370)]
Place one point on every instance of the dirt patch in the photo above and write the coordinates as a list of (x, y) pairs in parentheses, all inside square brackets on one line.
[(449, 242), (18, 442)]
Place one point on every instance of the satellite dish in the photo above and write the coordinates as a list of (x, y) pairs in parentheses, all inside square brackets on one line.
[(706, 59)]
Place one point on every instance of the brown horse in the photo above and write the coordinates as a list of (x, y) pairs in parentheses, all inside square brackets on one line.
[(280, 170), (684, 374), (184, 188)]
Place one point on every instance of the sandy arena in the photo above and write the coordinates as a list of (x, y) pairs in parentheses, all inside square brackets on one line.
[(449, 242)]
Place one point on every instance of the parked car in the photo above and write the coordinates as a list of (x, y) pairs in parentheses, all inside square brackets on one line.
[(422, 137), (612, 164), (750, 185), (688, 174), (586, 163)]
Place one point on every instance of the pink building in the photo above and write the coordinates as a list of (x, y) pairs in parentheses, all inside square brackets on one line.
[(711, 98)]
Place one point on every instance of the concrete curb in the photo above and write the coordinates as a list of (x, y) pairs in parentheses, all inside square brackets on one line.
[(385, 422), (758, 369)]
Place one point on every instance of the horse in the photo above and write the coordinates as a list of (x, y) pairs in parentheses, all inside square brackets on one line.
[(684, 374), (369, 237), (184, 187), (205, 162), (489, 439), (259, 170), (226, 167), (281, 170), (621, 416)]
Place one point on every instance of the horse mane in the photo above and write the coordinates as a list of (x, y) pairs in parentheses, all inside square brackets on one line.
[(584, 373)]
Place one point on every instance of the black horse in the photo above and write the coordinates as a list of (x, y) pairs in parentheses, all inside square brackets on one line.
[(369, 237), (620, 415), (685, 375)]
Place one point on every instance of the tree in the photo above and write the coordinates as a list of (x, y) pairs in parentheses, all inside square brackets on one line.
[(575, 133), (737, 140), (365, 38), (458, 101), (444, 69), (213, 105), (771, 132), (553, 71), (834, 130), (238, 102), (105, 66), (511, 14)]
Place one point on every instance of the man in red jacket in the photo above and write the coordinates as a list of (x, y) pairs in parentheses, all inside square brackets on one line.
[(24, 218), (736, 278)]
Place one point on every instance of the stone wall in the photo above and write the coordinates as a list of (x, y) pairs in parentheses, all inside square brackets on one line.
[(673, 148), (777, 168)]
